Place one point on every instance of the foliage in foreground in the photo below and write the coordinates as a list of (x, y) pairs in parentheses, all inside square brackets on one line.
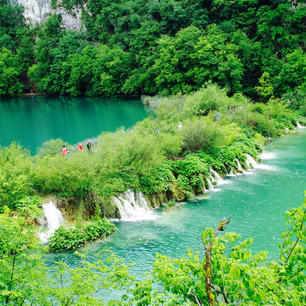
[(228, 273)]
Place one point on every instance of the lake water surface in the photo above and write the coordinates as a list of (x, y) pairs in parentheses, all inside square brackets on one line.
[(34, 120)]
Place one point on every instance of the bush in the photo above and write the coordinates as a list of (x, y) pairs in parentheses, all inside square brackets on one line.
[(296, 99), (15, 176), (51, 147), (200, 134), (65, 239)]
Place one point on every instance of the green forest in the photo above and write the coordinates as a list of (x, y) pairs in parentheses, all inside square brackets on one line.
[(223, 78), (129, 48)]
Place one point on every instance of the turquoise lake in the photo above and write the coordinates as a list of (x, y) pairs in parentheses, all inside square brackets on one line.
[(34, 120)]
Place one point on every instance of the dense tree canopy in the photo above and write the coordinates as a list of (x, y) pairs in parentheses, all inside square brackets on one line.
[(157, 47)]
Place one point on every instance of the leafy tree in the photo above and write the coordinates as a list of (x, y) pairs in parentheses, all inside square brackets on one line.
[(48, 37), (9, 73), (22, 271), (265, 90)]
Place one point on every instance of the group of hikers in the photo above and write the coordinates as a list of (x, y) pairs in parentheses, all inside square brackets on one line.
[(80, 148)]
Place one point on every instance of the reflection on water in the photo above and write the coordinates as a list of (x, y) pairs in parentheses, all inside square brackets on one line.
[(34, 120)]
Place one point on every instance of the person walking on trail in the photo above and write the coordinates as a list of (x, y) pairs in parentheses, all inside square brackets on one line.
[(80, 147), (64, 151), (88, 145)]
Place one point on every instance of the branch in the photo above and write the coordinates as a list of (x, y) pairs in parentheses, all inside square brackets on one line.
[(283, 300), (194, 295), (207, 262), (224, 295), (296, 242), (221, 292)]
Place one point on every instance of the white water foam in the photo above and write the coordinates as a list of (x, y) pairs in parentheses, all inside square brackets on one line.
[(217, 179), (267, 155), (256, 165), (239, 167), (250, 161), (209, 181), (299, 126), (231, 173), (54, 220), (264, 167), (134, 207)]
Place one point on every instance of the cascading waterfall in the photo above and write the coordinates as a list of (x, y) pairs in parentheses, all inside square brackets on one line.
[(299, 126), (134, 207), (209, 181), (240, 170), (54, 220), (217, 178), (251, 162), (260, 166), (231, 173), (215, 175)]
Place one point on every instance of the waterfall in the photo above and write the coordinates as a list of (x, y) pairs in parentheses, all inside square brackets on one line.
[(251, 161), (240, 170), (231, 173), (256, 165), (133, 207), (36, 10), (299, 126), (210, 185), (54, 219), (216, 176)]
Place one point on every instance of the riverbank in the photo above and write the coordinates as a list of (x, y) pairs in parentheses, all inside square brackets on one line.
[(171, 156), (256, 202)]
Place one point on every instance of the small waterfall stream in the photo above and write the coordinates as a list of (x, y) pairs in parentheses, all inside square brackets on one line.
[(134, 207), (251, 162), (240, 170), (54, 220)]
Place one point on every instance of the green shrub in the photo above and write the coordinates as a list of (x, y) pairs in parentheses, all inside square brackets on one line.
[(65, 239), (51, 147), (169, 205), (16, 174), (199, 134)]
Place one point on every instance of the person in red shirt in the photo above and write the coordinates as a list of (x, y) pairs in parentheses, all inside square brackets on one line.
[(80, 147), (64, 151)]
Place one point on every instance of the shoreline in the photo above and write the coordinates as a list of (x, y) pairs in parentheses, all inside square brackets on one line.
[(185, 149)]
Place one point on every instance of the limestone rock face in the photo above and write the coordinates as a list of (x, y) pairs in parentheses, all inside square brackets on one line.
[(36, 10)]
